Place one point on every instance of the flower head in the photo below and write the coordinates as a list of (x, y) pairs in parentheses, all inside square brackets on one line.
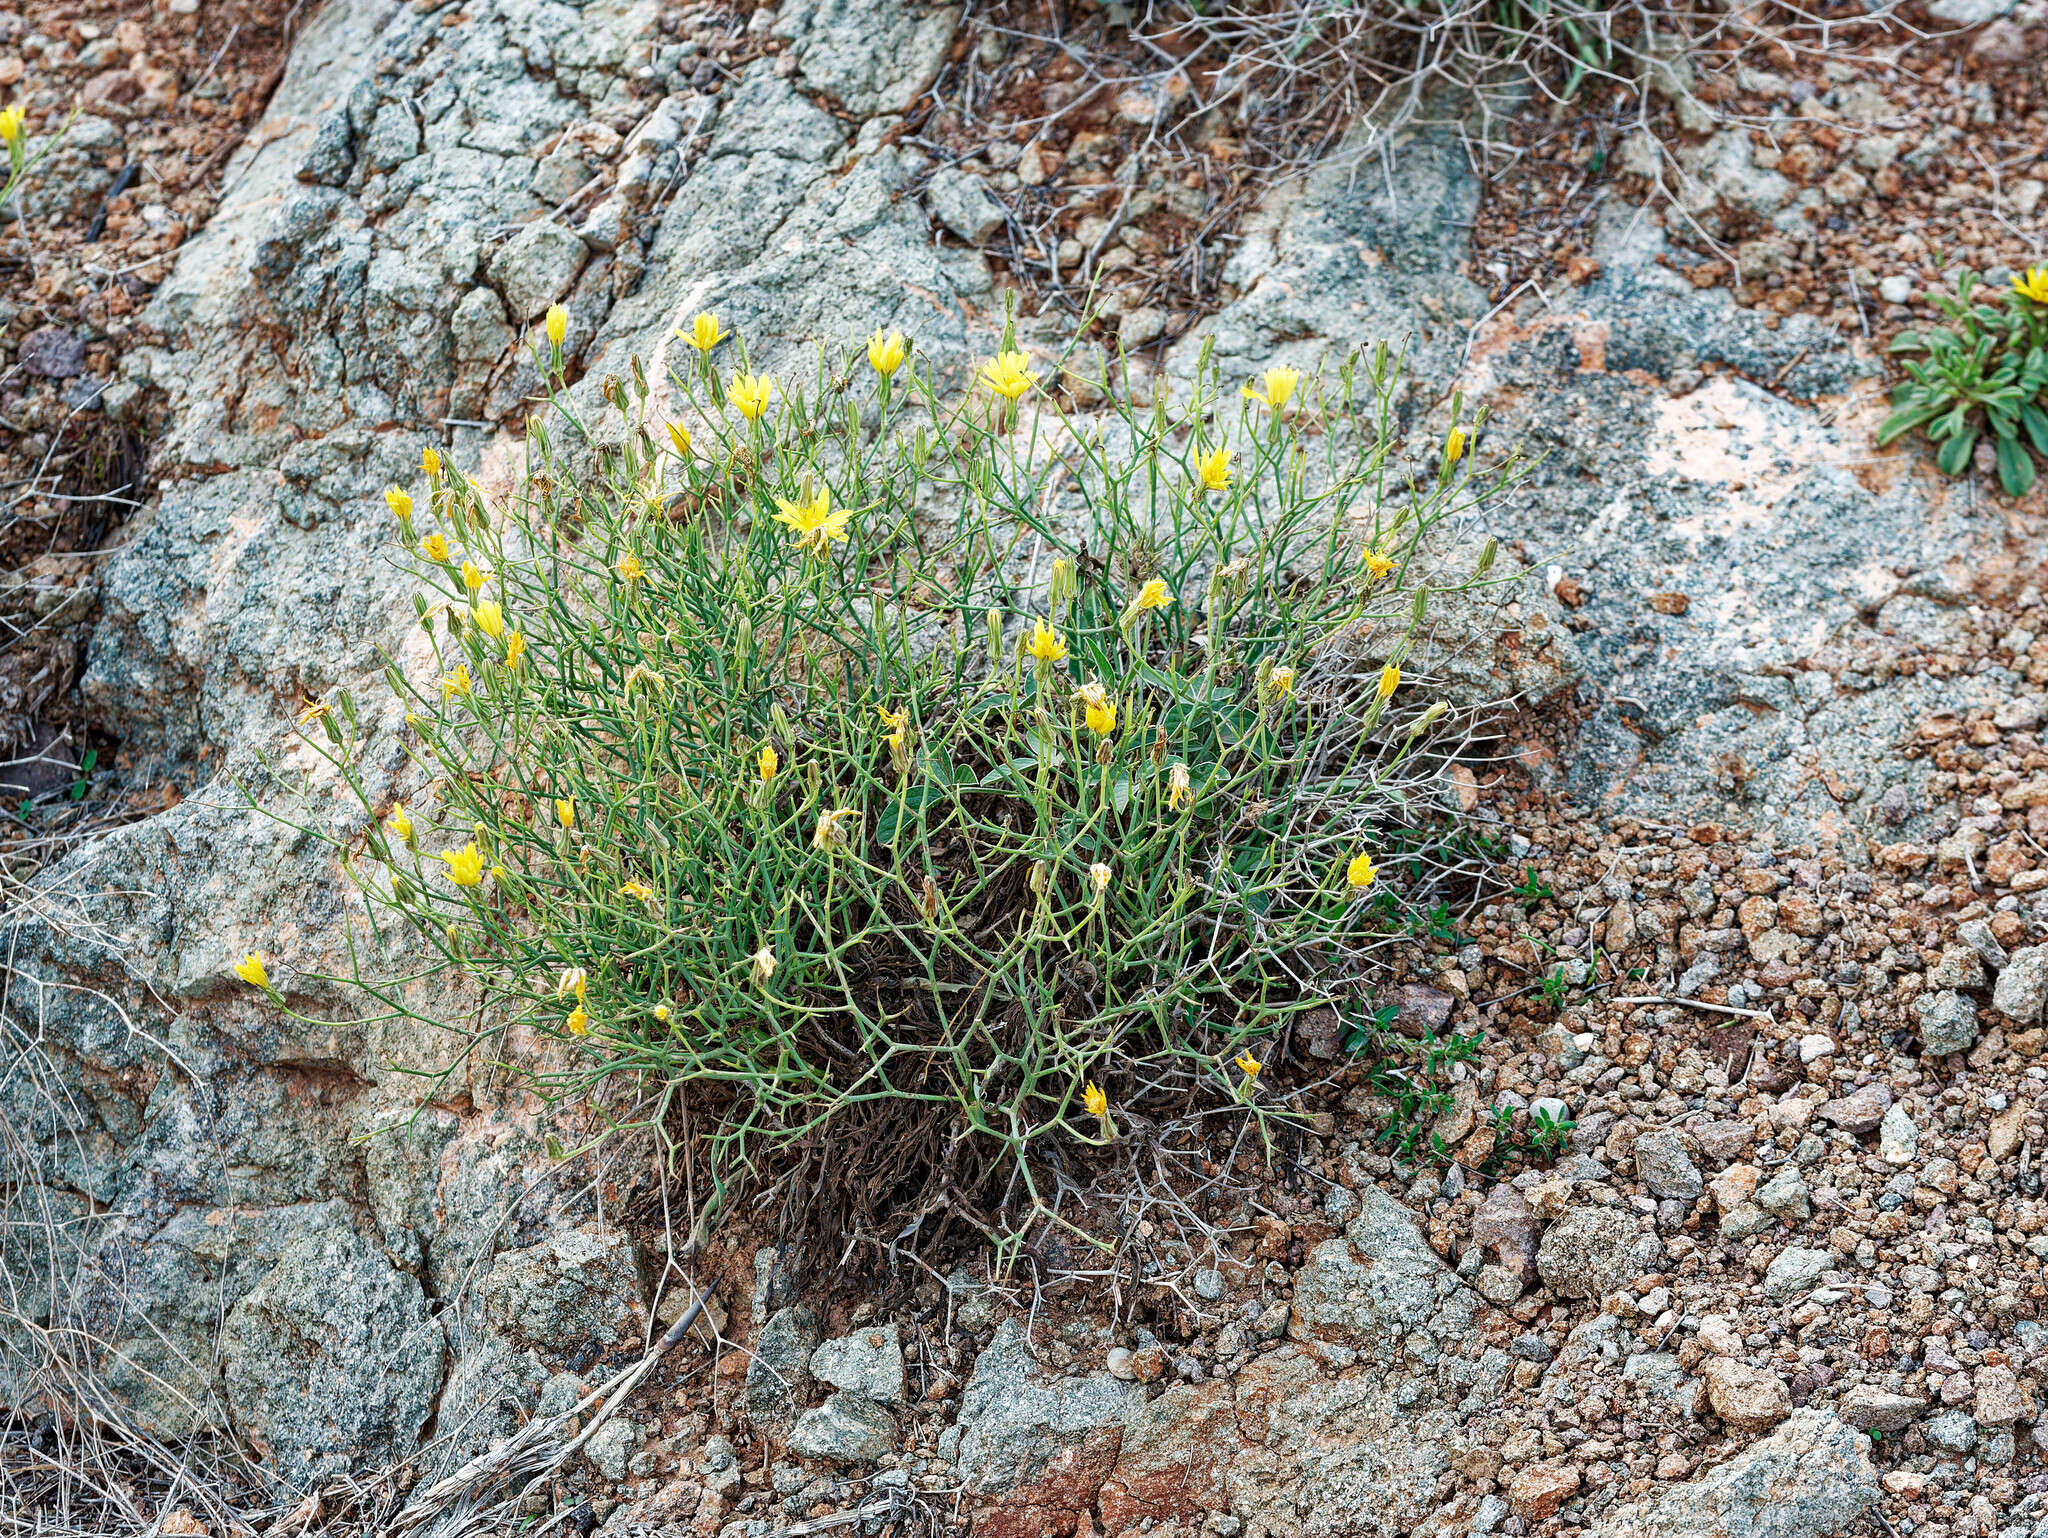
[(398, 822), (1280, 683), (1009, 374), (1045, 646), (1361, 872), (1178, 791), (886, 353), (749, 394), (573, 980), (489, 617), (1153, 595), (764, 964), (2033, 284), (1102, 718), (455, 683), (13, 124), (630, 569), (1390, 680), (705, 333), (578, 1021), (829, 833), (898, 722), (1377, 566), (400, 502), (250, 968), (813, 524), (436, 548), (1095, 1100), (565, 812), (312, 711), (1249, 1065), (1454, 446), (769, 762), (639, 891), (660, 1013), (465, 865), (515, 648), (680, 437), (1280, 384), (430, 463), (474, 576), (1214, 468), (640, 675), (1098, 877), (557, 325)]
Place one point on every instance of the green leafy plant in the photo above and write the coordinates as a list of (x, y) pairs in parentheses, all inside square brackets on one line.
[(909, 775), (1533, 889), (1985, 370)]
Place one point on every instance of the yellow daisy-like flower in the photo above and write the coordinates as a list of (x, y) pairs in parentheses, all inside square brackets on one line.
[(2033, 283), (679, 436), (250, 970), (1280, 381), (1098, 877), (13, 125), (1280, 683), (1046, 645), (398, 823), (489, 617), (1102, 717), (769, 762), (660, 1012), (1178, 791), (886, 353), (473, 576), (578, 1022), (312, 711), (1377, 566), (430, 462), (898, 722), (639, 891), (557, 325), (813, 524), (1095, 1099), (435, 548), (399, 502), (515, 648), (1454, 446), (1390, 680), (465, 865), (565, 812), (573, 980), (630, 569), (705, 333), (749, 394), (1009, 374), (1249, 1065), (1153, 595), (455, 683), (830, 832), (1361, 872), (763, 964), (1214, 468)]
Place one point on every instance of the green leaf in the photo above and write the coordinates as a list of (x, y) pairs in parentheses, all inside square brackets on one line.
[(1904, 421), (903, 810), (2035, 421), (1954, 457), (1907, 341), (2015, 467), (1120, 793)]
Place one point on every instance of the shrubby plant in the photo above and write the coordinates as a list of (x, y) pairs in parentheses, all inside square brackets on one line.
[(1986, 370), (923, 775)]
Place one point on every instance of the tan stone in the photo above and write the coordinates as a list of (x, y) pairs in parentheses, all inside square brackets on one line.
[(1747, 1398), (1537, 1494)]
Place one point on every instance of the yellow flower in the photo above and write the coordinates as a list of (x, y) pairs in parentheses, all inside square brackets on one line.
[(515, 648), (430, 462), (630, 569), (250, 968), (749, 393), (578, 1022), (573, 980), (898, 722), (1390, 680), (497, 873), (455, 683), (1153, 595), (680, 437), (1454, 446), (1098, 877), (764, 964), (1178, 791), (1009, 374), (2034, 284), (1092, 693), (436, 548), (558, 325), (473, 576), (488, 617), (1377, 566), (398, 822), (886, 353), (813, 524), (465, 865), (312, 711), (1249, 1064), (13, 124), (565, 812), (705, 333), (1101, 713), (1214, 468), (638, 891), (1281, 683), (399, 502), (1045, 645), (1361, 872), (769, 761), (829, 834), (660, 1012), (1095, 1100), (1280, 383)]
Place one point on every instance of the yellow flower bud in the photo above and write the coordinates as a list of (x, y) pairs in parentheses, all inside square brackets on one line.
[(557, 324)]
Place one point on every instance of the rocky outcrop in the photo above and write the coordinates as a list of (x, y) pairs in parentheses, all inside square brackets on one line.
[(1810, 1478)]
